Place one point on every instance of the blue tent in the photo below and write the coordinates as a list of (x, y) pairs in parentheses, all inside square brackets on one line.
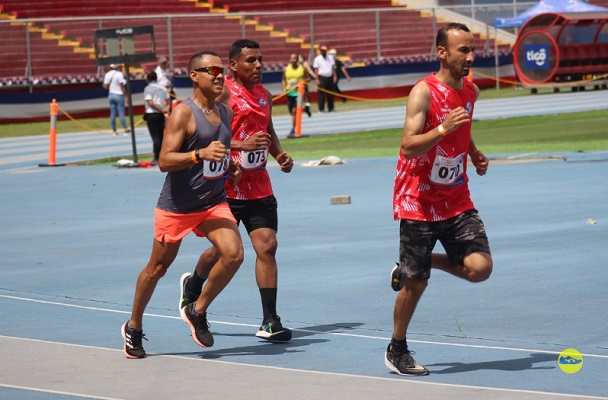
[(545, 6)]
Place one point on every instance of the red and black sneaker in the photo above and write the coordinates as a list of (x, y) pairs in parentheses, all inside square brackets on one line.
[(133, 347), (198, 325)]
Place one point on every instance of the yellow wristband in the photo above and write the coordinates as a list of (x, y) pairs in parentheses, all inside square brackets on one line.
[(193, 156), (442, 130)]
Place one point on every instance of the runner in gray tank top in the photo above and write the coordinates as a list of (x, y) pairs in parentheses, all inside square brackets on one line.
[(201, 186), (195, 155)]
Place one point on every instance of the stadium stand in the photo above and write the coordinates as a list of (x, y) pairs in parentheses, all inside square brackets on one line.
[(275, 5), (61, 48), (603, 3), (79, 8)]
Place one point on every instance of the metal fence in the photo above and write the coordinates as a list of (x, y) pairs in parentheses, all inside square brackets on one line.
[(39, 51)]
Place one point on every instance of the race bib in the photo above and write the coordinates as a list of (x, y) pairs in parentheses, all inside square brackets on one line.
[(254, 159), (447, 171), (292, 84), (215, 169)]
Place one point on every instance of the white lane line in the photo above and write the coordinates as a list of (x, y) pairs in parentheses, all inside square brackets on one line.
[(33, 389), (353, 335), (336, 374)]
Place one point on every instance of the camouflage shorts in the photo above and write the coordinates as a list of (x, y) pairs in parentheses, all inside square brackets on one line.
[(459, 236)]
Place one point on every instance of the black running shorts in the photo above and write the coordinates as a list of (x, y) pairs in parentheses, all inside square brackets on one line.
[(255, 214), (292, 103), (459, 236)]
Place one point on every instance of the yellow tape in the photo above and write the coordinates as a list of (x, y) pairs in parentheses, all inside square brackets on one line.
[(88, 127), (552, 84)]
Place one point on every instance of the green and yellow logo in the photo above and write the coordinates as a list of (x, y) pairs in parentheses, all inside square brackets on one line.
[(570, 361)]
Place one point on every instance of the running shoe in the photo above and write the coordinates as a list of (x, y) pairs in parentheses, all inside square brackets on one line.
[(397, 278), (185, 296), (198, 325), (132, 337), (403, 363), (307, 110), (273, 331)]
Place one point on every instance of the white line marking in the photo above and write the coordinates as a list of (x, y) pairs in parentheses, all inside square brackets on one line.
[(521, 155), (354, 335), (450, 385), (32, 389)]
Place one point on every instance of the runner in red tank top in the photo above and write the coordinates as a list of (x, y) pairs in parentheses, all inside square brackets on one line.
[(434, 186), (431, 197), (252, 110), (251, 199)]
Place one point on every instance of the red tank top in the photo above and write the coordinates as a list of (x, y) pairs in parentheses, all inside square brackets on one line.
[(434, 186), (251, 114)]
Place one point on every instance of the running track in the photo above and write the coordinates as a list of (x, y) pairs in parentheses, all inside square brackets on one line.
[(75, 238)]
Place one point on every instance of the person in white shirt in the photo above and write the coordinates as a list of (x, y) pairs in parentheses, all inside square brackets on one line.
[(156, 101), (325, 76), (115, 82), (163, 78), (340, 70)]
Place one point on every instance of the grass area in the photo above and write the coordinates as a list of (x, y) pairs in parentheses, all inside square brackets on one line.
[(584, 131), (551, 133)]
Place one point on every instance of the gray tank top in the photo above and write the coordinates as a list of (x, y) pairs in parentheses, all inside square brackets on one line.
[(200, 186)]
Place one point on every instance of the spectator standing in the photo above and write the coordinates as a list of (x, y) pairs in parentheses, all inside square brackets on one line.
[(293, 74), (431, 197), (340, 70), (251, 200), (325, 77), (114, 81), (156, 102), (163, 78), (195, 155)]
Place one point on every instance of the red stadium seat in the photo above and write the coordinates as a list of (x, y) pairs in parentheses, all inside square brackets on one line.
[(63, 46)]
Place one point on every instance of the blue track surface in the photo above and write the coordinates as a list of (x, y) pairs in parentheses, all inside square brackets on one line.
[(75, 238)]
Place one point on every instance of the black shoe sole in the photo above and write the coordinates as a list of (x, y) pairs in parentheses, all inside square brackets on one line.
[(279, 337), (394, 369), (397, 279)]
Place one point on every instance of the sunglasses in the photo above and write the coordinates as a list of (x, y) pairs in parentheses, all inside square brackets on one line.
[(213, 70)]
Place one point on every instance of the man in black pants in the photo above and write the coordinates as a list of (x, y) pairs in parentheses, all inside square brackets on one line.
[(325, 76), (157, 102), (340, 70)]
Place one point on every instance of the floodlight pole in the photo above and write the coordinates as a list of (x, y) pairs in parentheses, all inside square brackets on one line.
[(130, 103)]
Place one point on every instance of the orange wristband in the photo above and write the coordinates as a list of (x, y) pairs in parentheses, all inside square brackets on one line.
[(442, 130), (193, 156)]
